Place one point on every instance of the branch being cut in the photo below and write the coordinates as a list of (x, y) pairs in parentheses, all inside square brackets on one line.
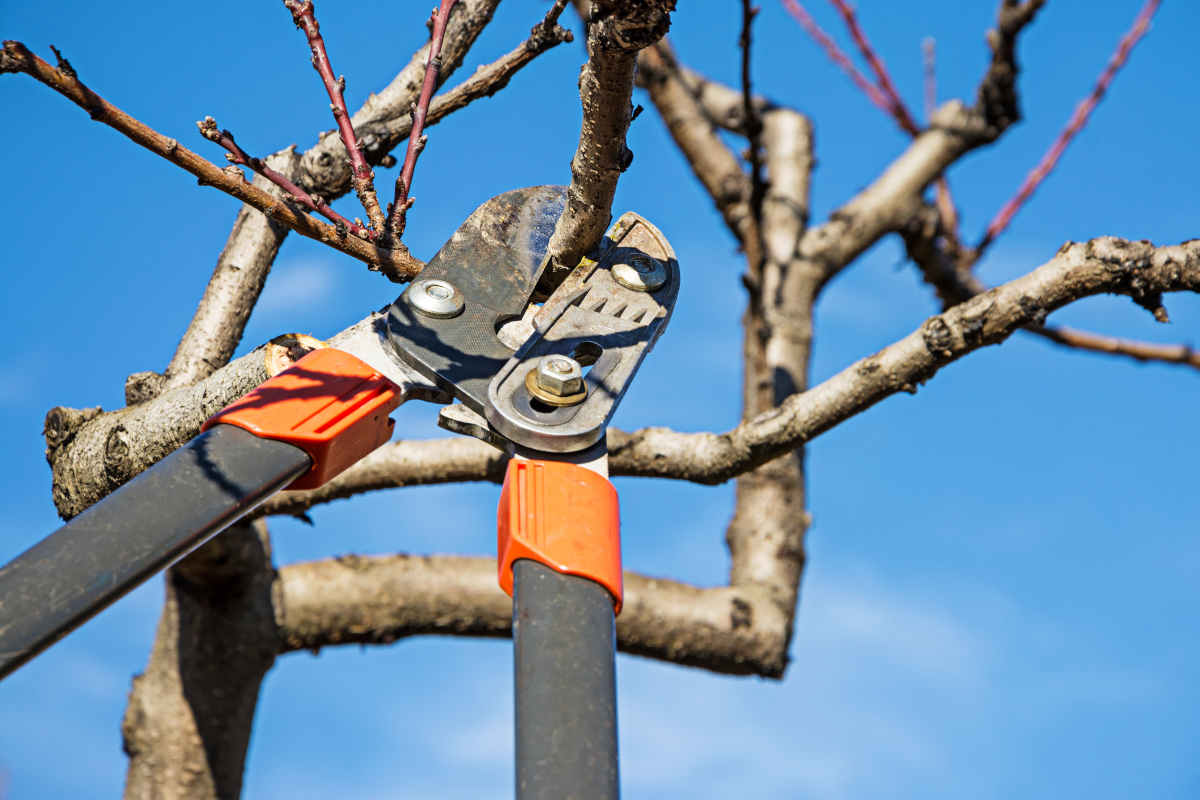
[(377, 600), (362, 178), (396, 264), (616, 31)]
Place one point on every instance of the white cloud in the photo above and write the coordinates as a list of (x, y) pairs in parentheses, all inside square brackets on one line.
[(297, 284)]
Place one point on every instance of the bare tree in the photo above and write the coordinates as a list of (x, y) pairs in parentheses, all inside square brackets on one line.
[(230, 611)]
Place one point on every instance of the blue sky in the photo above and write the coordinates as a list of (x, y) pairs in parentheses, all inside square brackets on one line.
[(1003, 569)]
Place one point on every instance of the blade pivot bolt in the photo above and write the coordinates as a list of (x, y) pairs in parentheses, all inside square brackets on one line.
[(436, 298)]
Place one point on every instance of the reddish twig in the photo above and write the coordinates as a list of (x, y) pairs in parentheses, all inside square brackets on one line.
[(895, 106), (209, 130), (929, 73), (362, 178), (1082, 111), (1140, 351), (836, 55), (398, 210)]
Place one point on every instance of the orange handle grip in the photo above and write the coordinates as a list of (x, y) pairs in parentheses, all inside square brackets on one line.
[(564, 516), (330, 404)]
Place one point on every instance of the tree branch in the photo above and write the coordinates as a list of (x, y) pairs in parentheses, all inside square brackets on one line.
[(766, 535), (396, 264), (210, 130), (948, 270), (378, 600), (723, 105), (1101, 266), (616, 31), (385, 118), (90, 455)]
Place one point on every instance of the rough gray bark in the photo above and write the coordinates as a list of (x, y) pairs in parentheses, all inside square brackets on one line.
[(766, 534), (90, 455)]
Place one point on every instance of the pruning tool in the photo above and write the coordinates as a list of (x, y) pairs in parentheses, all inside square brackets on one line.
[(539, 381)]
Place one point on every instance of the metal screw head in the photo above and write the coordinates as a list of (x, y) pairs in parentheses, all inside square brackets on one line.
[(435, 297), (642, 273), (560, 376)]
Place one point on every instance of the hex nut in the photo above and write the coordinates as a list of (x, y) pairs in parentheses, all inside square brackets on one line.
[(436, 298), (559, 375), (642, 273)]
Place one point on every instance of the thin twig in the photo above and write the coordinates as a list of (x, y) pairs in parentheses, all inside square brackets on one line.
[(209, 130), (397, 264), (929, 73), (398, 210), (1082, 111), (758, 187), (837, 56), (896, 107), (362, 178)]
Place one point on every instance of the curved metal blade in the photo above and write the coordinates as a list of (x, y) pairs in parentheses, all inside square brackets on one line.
[(494, 259)]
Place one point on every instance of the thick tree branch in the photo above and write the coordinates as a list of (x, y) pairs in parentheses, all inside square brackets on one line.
[(616, 31), (90, 455), (947, 268), (1101, 266), (723, 105), (378, 600), (766, 535)]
